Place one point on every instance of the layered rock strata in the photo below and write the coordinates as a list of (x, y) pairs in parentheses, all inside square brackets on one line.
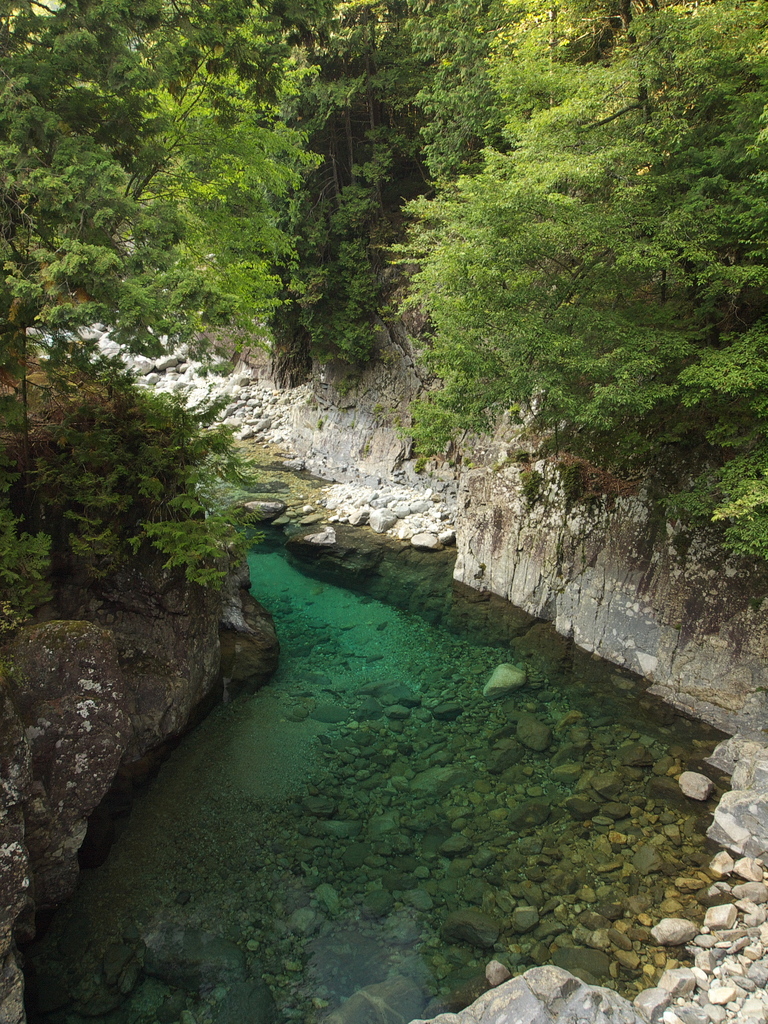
[(621, 580)]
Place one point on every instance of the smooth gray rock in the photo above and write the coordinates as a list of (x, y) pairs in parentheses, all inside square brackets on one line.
[(673, 931), (471, 926), (652, 1003), (381, 520), (426, 542), (504, 679), (679, 981), (757, 892), (695, 785)]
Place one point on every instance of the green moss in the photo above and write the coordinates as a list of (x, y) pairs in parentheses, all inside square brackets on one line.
[(531, 481)]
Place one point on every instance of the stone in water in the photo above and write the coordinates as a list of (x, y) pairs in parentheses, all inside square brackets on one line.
[(504, 679)]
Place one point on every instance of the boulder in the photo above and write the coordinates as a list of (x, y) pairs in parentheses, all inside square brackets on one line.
[(190, 957), (722, 916), (439, 781), (266, 511), (381, 520), (326, 537), (652, 1003), (504, 679), (749, 869), (394, 1001), (72, 703), (15, 790), (249, 644), (591, 965), (524, 919), (246, 1002), (581, 808), (426, 542), (679, 981), (721, 865), (741, 823), (496, 973)]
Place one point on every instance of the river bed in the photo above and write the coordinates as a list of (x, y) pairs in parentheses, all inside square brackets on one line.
[(370, 819)]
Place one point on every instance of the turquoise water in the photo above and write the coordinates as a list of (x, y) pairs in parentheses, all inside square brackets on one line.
[(324, 833)]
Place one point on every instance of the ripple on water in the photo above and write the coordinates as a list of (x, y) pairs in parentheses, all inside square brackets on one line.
[(368, 819)]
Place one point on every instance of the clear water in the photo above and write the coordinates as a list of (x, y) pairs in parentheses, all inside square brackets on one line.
[(327, 833)]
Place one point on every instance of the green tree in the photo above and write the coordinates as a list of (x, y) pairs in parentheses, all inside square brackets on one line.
[(140, 162), (356, 104), (608, 273)]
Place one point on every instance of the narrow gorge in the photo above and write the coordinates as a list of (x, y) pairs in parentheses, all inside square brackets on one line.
[(367, 704)]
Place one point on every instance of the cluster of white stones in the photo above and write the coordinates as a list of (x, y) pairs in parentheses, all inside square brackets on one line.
[(255, 409), (730, 973), (421, 517)]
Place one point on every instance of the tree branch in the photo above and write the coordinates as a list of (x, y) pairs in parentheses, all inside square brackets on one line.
[(606, 120)]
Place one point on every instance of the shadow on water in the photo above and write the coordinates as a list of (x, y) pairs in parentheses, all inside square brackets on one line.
[(370, 822)]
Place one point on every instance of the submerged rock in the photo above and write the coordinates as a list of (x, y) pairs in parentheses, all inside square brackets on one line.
[(190, 957), (504, 679), (394, 1001), (533, 733), (471, 926), (674, 931), (695, 785), (247, 1002)]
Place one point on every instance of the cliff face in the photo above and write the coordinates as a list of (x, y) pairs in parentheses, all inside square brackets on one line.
[(124, 668), (620, 580)]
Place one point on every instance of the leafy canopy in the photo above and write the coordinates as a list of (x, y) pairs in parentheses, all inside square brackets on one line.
[(607, 272)]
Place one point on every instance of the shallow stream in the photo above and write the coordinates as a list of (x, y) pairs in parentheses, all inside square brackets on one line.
[(369, 819)]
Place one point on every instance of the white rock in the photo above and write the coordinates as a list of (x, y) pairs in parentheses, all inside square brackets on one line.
[(652, 1003), (496, 973), (447, 537), (359, 517), (695, 785), (680, 981), (722, 917), (381, 519), (504, 679), (326, 537), (749, 869), (426, 542), (721, 864), (673, 931), (719, 995)]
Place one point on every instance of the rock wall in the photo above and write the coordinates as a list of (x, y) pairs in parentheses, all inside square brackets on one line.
[(351, 425), (124, 667), (620, 580)]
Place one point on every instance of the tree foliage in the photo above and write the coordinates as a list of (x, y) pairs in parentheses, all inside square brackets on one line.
[(141, 160), (607, 273)]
